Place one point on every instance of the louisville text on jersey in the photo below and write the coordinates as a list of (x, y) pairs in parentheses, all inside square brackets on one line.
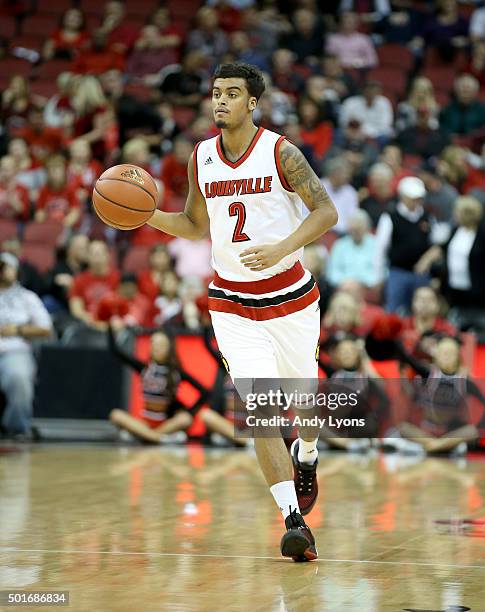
[(238, 187)]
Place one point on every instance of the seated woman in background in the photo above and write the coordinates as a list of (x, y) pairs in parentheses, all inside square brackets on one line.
[(162, 412), (442, 401), (421, 97), (69, 39)]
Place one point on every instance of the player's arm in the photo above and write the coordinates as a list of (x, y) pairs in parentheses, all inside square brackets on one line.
[(193, 223), (323, 214)]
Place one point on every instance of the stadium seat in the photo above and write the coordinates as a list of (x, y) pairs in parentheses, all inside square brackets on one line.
[(441, 77), (39, 24), (46, 233), (12, 66), (7, 27), (183, 116), (140, 91), (92, 6), (7, 229), (395, 55), (40, 256), (136, 259), (51, 69), (29, 41), (44, 87), (141, 7), (391, 78), (54, 9)]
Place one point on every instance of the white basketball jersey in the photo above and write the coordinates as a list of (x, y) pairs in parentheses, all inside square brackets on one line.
[(249, 203)]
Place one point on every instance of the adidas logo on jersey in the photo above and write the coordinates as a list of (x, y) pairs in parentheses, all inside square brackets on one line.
[(208, 161)]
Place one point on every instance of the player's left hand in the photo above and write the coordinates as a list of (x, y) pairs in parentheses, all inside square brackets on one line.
[(262, 257)]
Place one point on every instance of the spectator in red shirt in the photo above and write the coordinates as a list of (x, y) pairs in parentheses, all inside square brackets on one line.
[(392, 156), (315, 132), (98, 57), (121, 34), (159, 262), (94, 115), (82, 169), (174, 169), (171, 36), (16, 102), (127, 306), (29, 171), (69, 39), (41, 139), (58, 201), (425, 317), (14, 198), (90, 286)]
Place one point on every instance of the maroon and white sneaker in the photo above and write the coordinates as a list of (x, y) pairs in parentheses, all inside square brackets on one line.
[(298, 542), (305, 479)]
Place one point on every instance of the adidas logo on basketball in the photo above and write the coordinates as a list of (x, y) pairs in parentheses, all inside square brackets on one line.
[(134, 174), (208, 161)]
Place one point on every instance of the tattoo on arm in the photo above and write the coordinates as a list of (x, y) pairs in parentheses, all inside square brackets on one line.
[(301, 177)]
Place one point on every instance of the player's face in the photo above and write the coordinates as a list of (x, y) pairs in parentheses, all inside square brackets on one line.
[(231, 102)]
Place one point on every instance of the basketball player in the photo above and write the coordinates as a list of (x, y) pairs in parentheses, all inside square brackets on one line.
[(247, 186)]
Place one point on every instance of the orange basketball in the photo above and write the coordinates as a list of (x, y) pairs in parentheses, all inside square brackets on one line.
[(125, 196)]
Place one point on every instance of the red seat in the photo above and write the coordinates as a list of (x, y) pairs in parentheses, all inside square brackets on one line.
[(183, 116), (15, 67), (442, 97), (44, 87), (136, 259), (29, 41), (39, 24), (395, 55), (55, 9), (141, 7), (390, 78), (46, 233), (140, 91), (92, 6), (442, 77), (7, 27), (51, 69), (7, 229), (40, 256)]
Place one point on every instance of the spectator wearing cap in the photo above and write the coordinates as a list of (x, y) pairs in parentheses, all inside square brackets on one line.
[(23, 317), (340, 191), (466, 113), (404, 241), (372, 110), (353, 256)]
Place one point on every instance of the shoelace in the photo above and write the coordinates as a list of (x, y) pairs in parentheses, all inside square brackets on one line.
[(305, 481)]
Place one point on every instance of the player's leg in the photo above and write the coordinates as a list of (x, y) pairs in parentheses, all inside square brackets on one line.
[(295, 339), (249, 354)]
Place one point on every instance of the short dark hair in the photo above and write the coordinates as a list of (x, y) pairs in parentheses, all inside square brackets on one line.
[(251, 74)]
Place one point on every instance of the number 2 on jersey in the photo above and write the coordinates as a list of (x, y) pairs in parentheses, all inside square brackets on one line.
[(237, 209)]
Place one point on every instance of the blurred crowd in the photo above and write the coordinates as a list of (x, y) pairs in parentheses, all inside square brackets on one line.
[(385, 98)]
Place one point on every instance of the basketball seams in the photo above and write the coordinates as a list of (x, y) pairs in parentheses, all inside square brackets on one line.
[(122, 205), (100, 180), (117, 225)]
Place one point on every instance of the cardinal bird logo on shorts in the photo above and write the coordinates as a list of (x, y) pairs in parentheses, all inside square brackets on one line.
[(134, 174)]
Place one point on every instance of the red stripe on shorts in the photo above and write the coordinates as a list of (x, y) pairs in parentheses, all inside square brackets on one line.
[(266, 285), (266, 312)]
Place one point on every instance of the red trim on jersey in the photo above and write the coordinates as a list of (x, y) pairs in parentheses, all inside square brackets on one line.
[(242, 159), (281, 175), (196, 173), (266, 312), (265, 285)]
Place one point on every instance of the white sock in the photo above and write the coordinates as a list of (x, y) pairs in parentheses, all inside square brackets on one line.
[(307, 451), (284, 494)]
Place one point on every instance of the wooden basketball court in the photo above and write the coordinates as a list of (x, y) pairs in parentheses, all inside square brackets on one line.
[(182, 529)]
